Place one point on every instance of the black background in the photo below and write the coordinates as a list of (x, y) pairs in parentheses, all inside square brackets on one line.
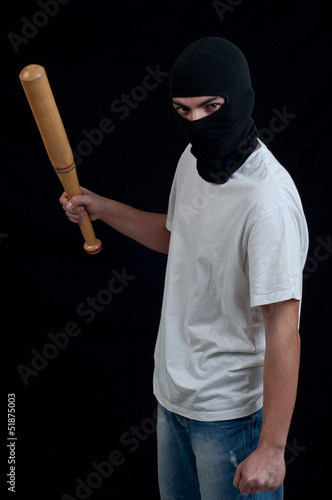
[(95, 395)]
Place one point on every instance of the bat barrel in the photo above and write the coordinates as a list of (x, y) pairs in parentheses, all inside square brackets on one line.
[(43, 106)]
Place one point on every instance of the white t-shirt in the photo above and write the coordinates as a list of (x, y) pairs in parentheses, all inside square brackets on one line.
[(233, 247)]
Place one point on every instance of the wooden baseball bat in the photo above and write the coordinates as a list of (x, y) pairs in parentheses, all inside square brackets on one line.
[(39, 94)]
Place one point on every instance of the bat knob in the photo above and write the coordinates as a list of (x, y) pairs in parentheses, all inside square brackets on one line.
[(92, 249), (31, 72)]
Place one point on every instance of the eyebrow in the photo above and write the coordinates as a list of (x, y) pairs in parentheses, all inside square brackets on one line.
[(204, 103)]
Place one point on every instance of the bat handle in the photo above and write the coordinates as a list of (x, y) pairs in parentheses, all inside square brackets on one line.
[(70, 183), (92, 244)]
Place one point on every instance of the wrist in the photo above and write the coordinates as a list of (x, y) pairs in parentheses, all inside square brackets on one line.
[(105, 209), (272, 443)]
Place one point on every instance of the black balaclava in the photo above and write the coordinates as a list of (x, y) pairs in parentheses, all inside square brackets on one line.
[(223, 140)]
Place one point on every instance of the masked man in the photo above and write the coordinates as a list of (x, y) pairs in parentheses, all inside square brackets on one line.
[(228, 347)]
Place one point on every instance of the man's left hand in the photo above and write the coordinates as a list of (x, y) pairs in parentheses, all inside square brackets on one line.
[(264, 470)]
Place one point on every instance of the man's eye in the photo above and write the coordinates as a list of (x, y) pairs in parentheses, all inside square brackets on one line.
[(182, 110), (214, 106)]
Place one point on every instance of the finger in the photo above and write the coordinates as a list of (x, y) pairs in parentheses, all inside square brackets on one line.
[(63, 199), (78, 200), (75, 210), (252, 486), (77, 218), (237, 477), (245, 488)]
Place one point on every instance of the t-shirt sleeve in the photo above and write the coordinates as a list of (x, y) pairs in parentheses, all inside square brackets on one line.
[(275, 258)]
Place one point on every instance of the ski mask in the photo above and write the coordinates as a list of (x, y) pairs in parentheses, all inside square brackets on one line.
[(223, 140)]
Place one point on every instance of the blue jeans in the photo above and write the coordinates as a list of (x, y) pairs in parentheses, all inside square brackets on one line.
[(197, 460)]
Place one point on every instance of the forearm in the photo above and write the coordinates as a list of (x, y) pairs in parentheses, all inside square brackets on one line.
[(147, 228), (264, 469), (281, 370)]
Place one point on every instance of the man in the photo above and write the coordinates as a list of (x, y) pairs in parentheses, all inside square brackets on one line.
[(236, 239)]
